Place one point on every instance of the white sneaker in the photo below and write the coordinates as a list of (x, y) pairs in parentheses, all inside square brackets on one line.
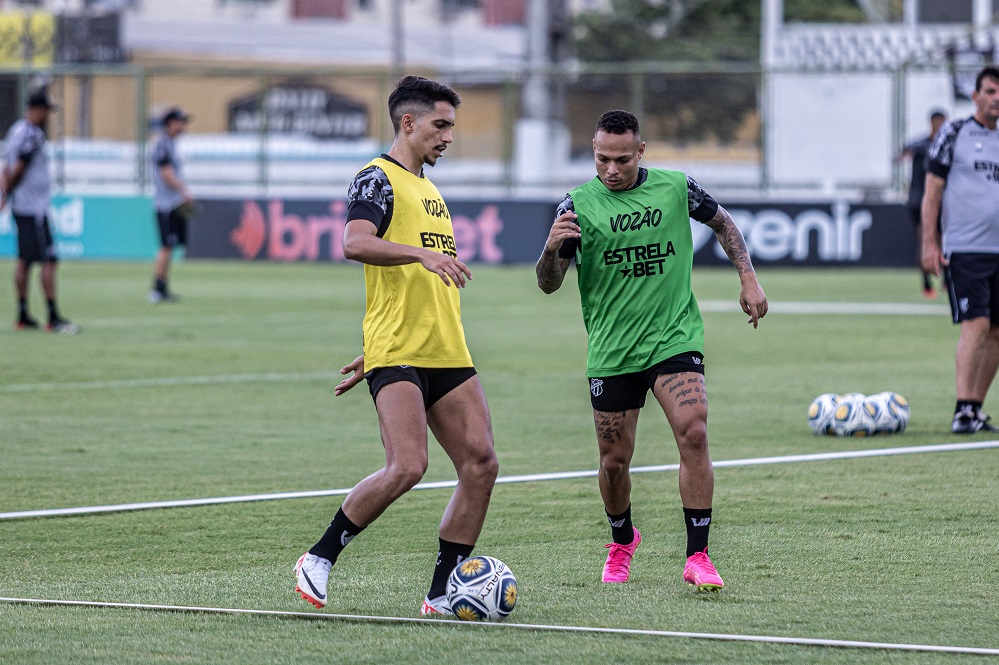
[(436, 607), (312, 572), (63, 327)]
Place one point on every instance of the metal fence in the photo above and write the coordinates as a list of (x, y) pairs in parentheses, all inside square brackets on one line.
[(306, 131)]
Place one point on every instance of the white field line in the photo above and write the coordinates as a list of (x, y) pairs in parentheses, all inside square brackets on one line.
[(860, 308), (157, 321), (315, 616), (535, 477), (720, 306), (169, 381)]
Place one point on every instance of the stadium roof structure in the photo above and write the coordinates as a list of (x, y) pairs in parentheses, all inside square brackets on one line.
[(442, 46)]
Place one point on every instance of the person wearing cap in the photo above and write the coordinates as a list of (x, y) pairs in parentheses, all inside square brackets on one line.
[(172, 200), (27, 184)]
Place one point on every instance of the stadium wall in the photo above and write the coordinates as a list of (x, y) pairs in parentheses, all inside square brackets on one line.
[(486, 231), (504, 231), (94, 227)]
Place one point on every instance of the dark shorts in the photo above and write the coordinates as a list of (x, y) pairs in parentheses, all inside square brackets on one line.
[(973, 286), (34, 239), (433, 383), (173, 228), (628, 391)]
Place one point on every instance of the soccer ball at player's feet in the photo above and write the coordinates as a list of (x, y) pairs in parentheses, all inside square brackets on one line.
[(481, 588)]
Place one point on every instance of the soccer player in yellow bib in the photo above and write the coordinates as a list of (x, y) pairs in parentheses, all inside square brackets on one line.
[(418, 368)]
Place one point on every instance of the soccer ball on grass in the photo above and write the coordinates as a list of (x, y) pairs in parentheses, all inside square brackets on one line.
[(481, 588), (821, 412), (851, 418)]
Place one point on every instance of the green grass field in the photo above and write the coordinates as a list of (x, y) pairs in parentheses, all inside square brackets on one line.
[(898, 549)]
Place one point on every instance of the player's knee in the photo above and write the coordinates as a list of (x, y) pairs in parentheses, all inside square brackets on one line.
[(404, 476), (482, 468), (694, 438), (614, 464)]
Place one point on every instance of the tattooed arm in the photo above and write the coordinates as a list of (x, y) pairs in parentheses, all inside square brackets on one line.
[(751, 298), (551, 267), (553, 263)]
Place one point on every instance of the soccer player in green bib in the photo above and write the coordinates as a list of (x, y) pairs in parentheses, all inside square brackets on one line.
[(629, 231)]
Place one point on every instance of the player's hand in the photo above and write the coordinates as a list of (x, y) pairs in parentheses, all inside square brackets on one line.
[(565, 227), (450, 269), (753, 301), (932, 258), (357, 367)]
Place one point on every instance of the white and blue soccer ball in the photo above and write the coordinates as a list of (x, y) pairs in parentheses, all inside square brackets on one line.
[(482, 588), (897, 408), (851, 418), (881, 413), (889, 411), (821, 413)]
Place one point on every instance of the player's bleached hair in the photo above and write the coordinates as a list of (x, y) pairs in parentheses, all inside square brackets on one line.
[(417, 95), (987, 72), (618, 122)]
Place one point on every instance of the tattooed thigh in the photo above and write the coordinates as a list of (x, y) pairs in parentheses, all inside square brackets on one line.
[(613, 426), (682, 390)]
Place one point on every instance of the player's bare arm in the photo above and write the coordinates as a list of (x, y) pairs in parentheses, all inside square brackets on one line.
[(932, 256), (751, 297), (356, 371), (551, 268), (361, 243), (173, 182)]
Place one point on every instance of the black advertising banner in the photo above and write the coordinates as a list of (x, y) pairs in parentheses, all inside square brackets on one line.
[(777, 233), (312, 230), (816, 234), (300, 109)]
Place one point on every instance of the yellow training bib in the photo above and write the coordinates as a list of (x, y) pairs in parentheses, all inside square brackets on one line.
[(412, 317)]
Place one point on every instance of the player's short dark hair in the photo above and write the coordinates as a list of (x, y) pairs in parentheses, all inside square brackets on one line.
[(938, 113), (987, 72), (618, 122), (418, 95)]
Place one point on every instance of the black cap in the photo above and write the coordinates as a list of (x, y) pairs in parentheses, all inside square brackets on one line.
[(175, 113), (40, 99)]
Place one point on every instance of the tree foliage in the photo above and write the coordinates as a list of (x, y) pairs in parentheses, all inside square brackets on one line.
[(693, 31)]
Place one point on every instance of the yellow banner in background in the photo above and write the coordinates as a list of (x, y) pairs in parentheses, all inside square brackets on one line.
[(27, 39)]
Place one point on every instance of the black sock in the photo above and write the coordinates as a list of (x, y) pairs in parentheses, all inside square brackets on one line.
[(967, 407), (339, 533), (53, 311), (698, 521), (22, 307), (160, 285), (927, 284), (622, 530), (449, 556)]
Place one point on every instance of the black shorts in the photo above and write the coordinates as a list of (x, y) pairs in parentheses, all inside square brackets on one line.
[(434, 383), (34, 239), (973, 286), (628, 391), (173, 228)]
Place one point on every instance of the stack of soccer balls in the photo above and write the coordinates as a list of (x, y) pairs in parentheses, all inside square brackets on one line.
[(855, 414)]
